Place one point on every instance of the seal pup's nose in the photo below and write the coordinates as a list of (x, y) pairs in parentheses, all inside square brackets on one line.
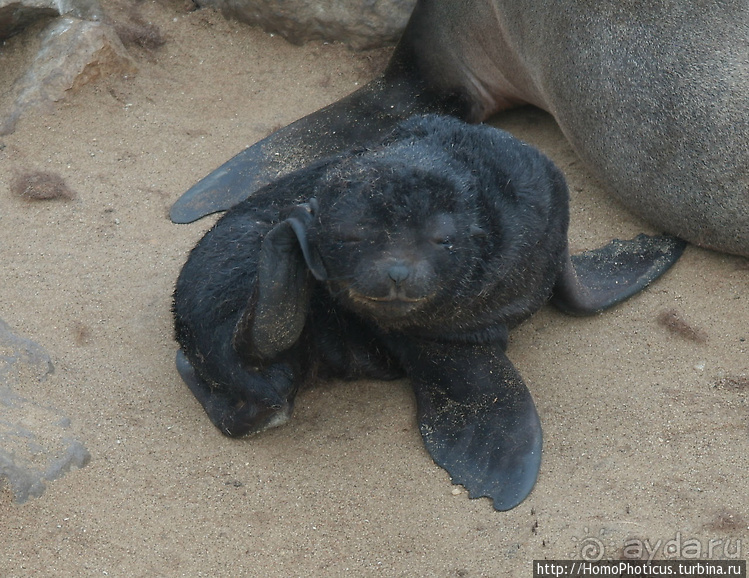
[(398, 273)]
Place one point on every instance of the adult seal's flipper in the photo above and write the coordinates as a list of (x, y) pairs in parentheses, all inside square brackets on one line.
[(363, 117), (477, 418), (596, 280)]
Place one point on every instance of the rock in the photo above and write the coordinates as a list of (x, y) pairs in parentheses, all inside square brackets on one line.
[(361, 24), (83, 9), (73, 52), (15, 15), (34, 443)]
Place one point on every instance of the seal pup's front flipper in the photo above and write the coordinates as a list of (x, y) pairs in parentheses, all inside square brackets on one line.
[(477, 418), (357, 120), (599, 279)]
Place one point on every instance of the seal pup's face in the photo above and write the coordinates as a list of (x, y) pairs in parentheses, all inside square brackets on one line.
[(398, 245), (388, 273)]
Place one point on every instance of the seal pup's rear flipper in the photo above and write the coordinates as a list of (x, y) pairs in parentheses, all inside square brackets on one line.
[(596, 280), (477, 418), (242, 363), (276, 312), (241, 411)]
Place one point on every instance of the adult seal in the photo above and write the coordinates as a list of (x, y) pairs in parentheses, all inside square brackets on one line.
[(412, 258), (652, 96)]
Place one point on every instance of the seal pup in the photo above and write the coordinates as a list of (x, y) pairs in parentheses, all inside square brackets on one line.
[(651, 95), (413, 257)]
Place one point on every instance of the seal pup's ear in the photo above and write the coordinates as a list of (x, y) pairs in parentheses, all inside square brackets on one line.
[(299, 219), (476, 231)]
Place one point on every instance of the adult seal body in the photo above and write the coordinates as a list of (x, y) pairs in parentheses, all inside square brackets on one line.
[(653, 96), (412, 258)]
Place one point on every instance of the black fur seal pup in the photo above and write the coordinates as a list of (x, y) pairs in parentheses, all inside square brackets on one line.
[(414, 257)]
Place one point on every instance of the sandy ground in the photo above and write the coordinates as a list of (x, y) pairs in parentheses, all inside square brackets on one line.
[(646, 428)]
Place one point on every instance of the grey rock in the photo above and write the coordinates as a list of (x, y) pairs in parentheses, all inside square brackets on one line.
[(35, 446), (73, 52), (361, 24), (15, 15), (84, 9)]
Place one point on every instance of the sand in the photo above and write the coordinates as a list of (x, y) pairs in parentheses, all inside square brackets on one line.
[(646, 424)]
